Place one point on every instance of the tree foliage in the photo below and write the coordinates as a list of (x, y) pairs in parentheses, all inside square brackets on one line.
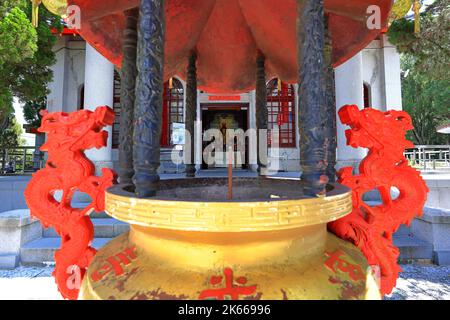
[(9, 136), (426, 72), (25, 56), (430, 47), (31, 111), (427, 100)]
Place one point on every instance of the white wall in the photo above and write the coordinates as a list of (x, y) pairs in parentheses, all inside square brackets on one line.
[(68, 75), (372, 74), (381, 71)]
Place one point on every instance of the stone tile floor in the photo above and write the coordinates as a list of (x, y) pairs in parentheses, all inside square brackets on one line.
[(422, 282), (417, 282)]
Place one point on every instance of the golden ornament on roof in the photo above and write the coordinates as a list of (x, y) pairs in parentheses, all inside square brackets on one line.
[(401, 8), (58, 7)]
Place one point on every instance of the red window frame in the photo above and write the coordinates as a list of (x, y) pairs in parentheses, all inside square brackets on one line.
[(173, 109), (281, 112)]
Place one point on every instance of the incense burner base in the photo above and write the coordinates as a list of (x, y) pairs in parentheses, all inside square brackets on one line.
[(189, 242), (159, 266)]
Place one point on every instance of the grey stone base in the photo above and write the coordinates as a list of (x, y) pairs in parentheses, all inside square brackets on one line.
[(17, 228), (9, 261), (434, 227), (442, 257), (11, 192)]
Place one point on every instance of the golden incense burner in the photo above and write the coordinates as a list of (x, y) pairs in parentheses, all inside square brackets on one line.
[(189, 242)]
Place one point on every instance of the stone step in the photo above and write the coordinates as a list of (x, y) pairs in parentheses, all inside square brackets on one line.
[(103, 228), (412, 248), (100, 215), (168, 167), (41, 251), (94, 215)]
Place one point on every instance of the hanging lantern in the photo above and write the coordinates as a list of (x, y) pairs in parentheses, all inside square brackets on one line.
[(170, 83), (416, 7), (35, 12)]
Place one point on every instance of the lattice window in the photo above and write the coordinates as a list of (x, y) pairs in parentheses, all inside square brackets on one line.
[(173, 109), (116, 107), (281, 112)]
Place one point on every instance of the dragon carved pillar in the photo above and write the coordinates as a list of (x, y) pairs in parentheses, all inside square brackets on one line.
[(261, 111), (312, 98), (330, 96), (191, 112), (149, 97), (128, 96)]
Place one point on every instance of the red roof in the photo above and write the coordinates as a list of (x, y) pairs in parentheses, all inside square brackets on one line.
[(228, 34)]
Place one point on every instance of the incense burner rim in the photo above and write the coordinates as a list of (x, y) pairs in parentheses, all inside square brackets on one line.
[(255, 215)]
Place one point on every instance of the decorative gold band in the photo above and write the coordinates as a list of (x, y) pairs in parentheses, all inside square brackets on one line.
[(227, 216)]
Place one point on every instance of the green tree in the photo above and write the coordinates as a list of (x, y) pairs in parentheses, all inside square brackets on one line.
[(426, 72), (9, 136), (31, 111), (427, 100), (430, 47), (25, 56)]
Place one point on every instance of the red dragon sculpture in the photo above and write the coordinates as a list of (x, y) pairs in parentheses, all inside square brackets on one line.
[(371, 227), (68, 170)]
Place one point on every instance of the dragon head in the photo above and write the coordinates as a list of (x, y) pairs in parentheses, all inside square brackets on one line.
[(82, 129), (369, 127)]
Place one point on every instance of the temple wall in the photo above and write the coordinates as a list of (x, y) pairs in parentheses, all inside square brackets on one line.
[(373, 74), (381, 72), (68, 75)]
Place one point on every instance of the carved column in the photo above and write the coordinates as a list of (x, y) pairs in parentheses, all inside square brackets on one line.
[(127, 96), (261, 110), (149, 97), (312, 99), (191, 112), (331, 132)]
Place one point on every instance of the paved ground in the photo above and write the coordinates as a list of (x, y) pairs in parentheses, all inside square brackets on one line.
[(427, 282), (416, 283)]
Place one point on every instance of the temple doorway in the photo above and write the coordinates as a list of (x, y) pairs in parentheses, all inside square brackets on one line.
[(223, 117)]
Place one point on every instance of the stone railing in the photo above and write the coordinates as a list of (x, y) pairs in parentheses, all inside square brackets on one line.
[(20, 160), (430, 157)]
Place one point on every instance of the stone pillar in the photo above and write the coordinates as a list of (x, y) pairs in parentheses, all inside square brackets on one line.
[(99, 91), (391, 81), (127, 97), (331, 130), (149, 97), (261, 113), (191, 113), (312, 97), (349, 90)]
